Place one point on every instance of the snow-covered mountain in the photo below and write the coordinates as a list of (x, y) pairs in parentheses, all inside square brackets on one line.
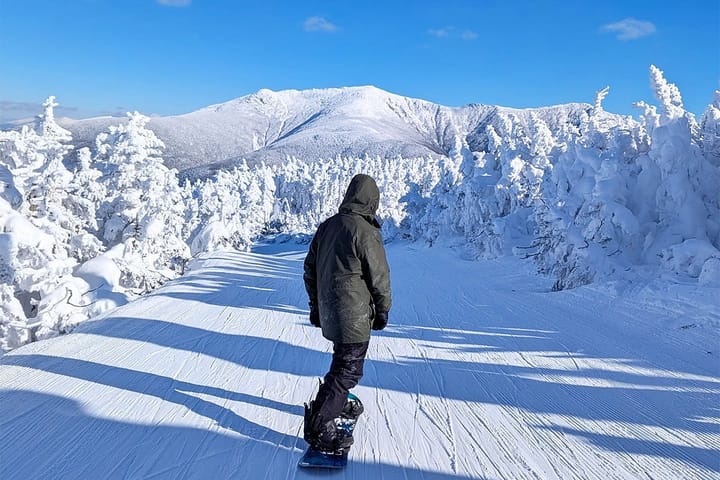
[(323, 123)]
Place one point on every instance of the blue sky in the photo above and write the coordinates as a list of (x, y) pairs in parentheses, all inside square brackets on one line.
[(174, 56)]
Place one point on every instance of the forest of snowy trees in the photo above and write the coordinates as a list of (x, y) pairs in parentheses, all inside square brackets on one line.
[(613, 198)]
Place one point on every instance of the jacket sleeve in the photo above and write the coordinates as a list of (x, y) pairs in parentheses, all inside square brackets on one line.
[(310, 274), (376, 272)]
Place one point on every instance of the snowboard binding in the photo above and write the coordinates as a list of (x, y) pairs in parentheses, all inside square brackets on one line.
[(329, 446)]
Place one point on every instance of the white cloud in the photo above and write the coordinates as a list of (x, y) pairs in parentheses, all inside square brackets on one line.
[(630, 29), (469, 35), (319, 24), (174, 3), (440, 32)]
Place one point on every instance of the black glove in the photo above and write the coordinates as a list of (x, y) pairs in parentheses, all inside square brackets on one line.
[(380, 320), (314, 314)]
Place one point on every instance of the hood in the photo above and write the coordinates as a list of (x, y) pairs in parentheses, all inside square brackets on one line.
[(362, 197)]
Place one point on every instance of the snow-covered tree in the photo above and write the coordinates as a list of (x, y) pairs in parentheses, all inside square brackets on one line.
[(85, 192), (583, 217), (686, 197), (710, 128), (35, 159), (143, 209), (39, 227)]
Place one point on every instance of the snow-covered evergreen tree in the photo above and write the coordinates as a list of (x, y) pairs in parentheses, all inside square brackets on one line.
[(35, 159), (584, 216), (686, 197), (39, 229), (84, 194), (710, 128), (143, 210)]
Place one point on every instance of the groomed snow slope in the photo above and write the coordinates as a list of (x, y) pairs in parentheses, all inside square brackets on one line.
[(482, 374)]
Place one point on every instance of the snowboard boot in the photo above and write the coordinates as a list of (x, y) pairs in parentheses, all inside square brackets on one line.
[(328, 437), (332, 439)]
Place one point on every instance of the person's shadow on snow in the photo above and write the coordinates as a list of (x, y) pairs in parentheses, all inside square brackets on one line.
[(164, 388)]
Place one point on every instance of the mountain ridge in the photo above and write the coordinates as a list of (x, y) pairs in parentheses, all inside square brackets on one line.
[(322, 123)]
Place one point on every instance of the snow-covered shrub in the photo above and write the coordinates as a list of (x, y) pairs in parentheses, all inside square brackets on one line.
[(34, 268), (13, 320), (627, 193), (8, 192)]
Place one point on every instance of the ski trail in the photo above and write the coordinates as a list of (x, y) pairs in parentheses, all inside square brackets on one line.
[(482, 373)]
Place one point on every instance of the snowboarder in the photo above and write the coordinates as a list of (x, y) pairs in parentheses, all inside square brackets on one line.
[(348, 283)]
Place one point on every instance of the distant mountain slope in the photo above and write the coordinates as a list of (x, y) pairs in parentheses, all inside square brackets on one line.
[(315, 124)]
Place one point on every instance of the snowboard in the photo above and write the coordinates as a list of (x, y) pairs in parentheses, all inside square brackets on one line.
[(314, 458), (317, 459)]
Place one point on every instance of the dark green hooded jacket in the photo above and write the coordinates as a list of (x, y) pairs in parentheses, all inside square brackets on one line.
[(346, 271)]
